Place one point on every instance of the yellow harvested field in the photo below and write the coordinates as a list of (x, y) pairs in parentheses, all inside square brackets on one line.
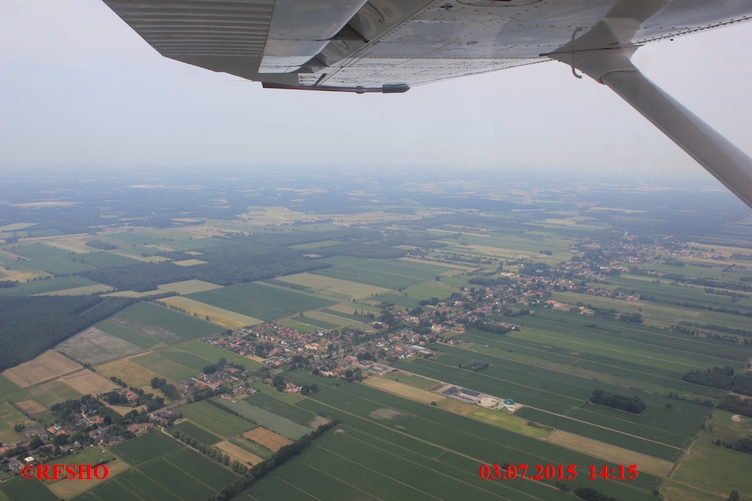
[(403, 390), (238, 453), (335, 319), (500, 419), (16, 226), (440, 263), (462, 230), (77, 246), (133, 294), (66, 489), (31, 407), (124, 409), (79, 291), (130, 372), (46, 366), (9, 417), (25, 275), (352, 289), (225, 318), (45, 204), (267, 438), (189, 286), (189, 262), (611, 453), (139, 257), (500, 252), (87, 382)]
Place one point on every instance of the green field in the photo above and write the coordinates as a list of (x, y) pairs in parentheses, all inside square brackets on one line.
[(37, 251), (597, 371), (46, 286), (389, 274), (262, 301), (134, 238), (214, 353), (509, 347), (53, 392), (309, 320), (7, 386), (103, 259), (127, 334), (142, 316), (58, 265), (328, 284), (9, 417), (196, 432), (146, 447), (186, 359), (173, 371), (282, 408), (202, 469), (559, 393), (251, 446), (272, 421), (398, 299), (299, 326), (429, 290), (179, 475), (212, 418), (18, 489), (394, 448)]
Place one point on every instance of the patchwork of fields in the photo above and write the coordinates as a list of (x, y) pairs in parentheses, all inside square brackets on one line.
[(262, 301), (398, 437)]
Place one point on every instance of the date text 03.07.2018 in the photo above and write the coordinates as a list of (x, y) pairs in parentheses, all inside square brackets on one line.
[(555, 472)]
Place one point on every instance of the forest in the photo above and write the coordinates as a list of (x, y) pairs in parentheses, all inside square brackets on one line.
[(722, 378), (737, 405), (32, 325), (621, 402), (717, 377)]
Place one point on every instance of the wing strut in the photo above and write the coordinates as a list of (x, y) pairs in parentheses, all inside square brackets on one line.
[(730, 165)]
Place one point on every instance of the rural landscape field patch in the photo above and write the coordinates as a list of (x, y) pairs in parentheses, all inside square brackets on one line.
[(46, 366)]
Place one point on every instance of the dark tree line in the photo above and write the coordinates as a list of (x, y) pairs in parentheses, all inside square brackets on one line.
[(741, 445), (487, 326), (208, 450), (489, 282), (717, 377), (98, 244), (737, 405), (247, 259), (590, 494), (31, 325), (610, 313), (279, 458), (621, 402), (221, 364), (168, 389), (722, 378), (236, 269)]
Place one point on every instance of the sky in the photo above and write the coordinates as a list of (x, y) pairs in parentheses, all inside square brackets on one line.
[(80, 90)]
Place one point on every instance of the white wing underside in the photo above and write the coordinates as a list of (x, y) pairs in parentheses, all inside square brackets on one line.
[(392, 45), (369, 44)]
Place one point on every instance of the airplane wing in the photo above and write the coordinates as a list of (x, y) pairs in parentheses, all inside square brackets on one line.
[(390, 46)]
